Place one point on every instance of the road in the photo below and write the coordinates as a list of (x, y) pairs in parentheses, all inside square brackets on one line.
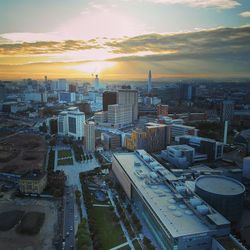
[(69, 218)]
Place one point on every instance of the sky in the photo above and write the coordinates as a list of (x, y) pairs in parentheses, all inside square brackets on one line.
[(123, 39)]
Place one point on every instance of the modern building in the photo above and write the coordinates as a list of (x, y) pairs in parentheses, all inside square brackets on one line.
[(187, 92), (89, 136), (212, 148), (152, 138), (129, 97), (33, 182), (14, 107), (162, 110), (101, 117), (71, 123), (224, 194), (182, 156), (180, 130), (176, 216), (120, 114), (65, 97), (36, 97), (227, 110), (109, 98), (111, 141), (149, 82), (60, 85), (97, 84)]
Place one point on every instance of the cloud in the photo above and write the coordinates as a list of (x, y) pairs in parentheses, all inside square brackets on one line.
[(221, 4), (46, 47), (245, 14), (221, 43)]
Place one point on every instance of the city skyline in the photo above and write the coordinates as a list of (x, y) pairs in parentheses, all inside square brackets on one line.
[(121, 40)]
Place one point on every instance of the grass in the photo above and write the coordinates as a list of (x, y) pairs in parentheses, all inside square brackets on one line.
[(65, 162), (110, 232), (64, 154), (31, 223), (9, 219)]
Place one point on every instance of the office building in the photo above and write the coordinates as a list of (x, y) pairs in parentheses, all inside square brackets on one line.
[(227, 111), (187, 92), (109, 98), (65, 97), (35, 97), (89, 136), (152, 138), (180, 130), (176, 216), (212, 148), (33, 182), (119, 114), (162, 110), (111, 141), (101, 117), (129, 97), (70, 123), (149, 82)]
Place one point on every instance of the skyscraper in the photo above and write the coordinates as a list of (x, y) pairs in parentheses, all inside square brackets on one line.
[(109, 98), (227, 110), (89, 134), (129, 97), (96, 82), (149, 82)]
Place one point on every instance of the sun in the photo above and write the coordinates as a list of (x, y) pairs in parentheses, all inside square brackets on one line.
[(95, 67)]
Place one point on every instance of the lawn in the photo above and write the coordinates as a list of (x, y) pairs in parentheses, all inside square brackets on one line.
[(64, 154), (31, 223), (110, 233), (65, 162), (10, 219)]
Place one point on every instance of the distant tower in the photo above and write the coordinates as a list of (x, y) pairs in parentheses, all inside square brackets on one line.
[(96, 82), (45, 79), (149, 82)]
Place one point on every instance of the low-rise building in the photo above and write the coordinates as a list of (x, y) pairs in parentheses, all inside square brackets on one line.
[(33, 182)]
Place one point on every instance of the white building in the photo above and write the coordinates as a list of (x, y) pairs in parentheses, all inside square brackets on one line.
[(180, 130), (89, 139), (129, 97), (71, 123), (67, 97), (119, 115), (101, 117)]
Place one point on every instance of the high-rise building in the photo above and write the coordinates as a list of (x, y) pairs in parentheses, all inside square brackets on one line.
[(89, 136), (119, 114), (149, 82), (111, 141), (109, 98), (71, 123), (96, 82), (227, 110), (152, 138), (162, 110), (187, 92), (129, 97), (65, 97)]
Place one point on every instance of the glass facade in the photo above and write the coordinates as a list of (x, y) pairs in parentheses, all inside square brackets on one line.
[(72, 125)]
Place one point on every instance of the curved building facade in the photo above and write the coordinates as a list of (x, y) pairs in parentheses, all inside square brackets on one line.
[(224, 194)]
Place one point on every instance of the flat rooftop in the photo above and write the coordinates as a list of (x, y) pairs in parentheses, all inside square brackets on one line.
[(174, 214), (220, 185)]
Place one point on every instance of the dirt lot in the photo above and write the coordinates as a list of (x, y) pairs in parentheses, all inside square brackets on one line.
[(11, 240), (21, 153)]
